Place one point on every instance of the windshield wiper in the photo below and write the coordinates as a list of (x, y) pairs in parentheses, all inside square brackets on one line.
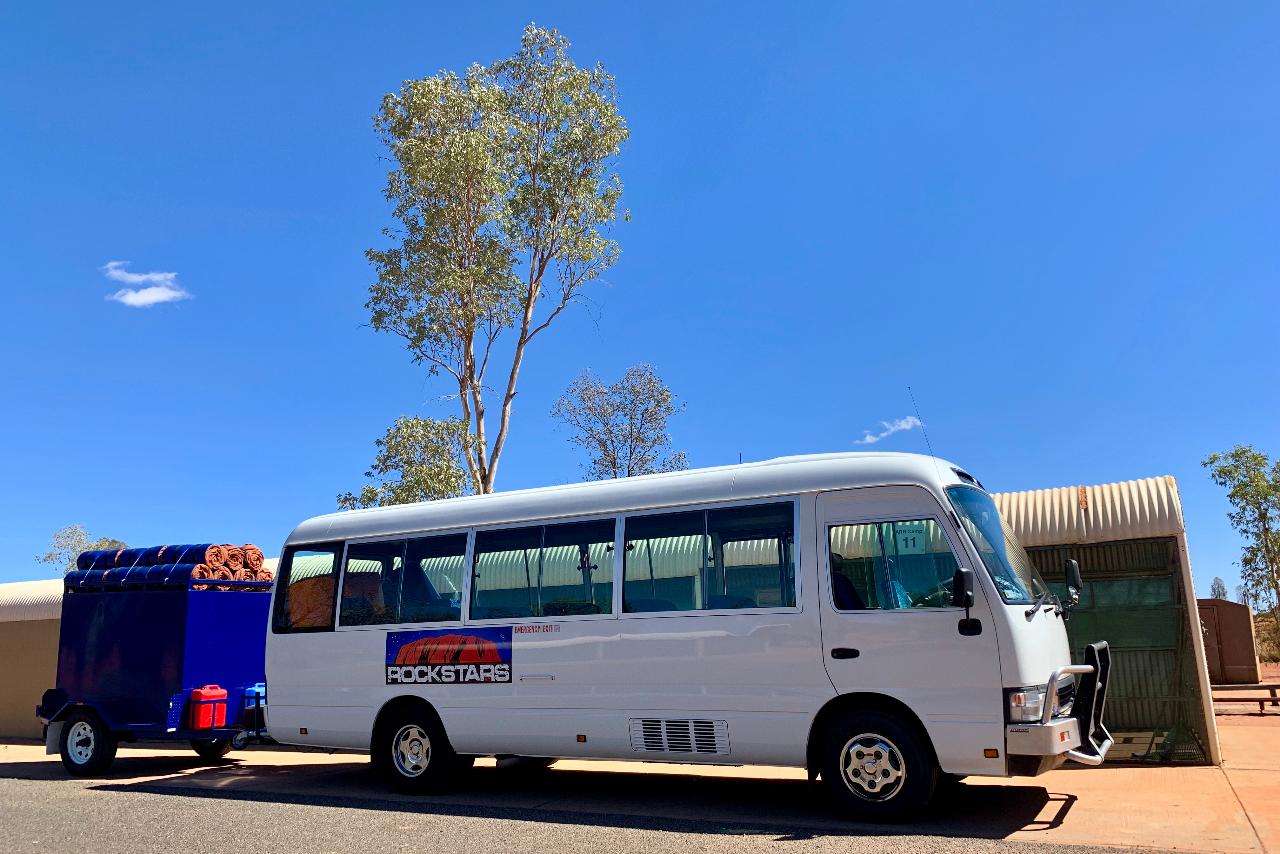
[(1041, 601)]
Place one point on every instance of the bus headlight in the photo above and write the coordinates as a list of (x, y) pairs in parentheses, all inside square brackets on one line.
[(1026, 705)]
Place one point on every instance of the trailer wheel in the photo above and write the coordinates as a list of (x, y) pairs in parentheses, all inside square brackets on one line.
[(877, 768), (413, 753), (211, 749), (86, 745)]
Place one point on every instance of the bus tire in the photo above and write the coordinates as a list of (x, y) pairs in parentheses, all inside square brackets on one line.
[(211, 749), (413, 754), (86, 745), (877, 768)]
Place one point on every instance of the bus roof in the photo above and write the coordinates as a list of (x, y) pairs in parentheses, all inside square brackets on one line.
[(780, 476)]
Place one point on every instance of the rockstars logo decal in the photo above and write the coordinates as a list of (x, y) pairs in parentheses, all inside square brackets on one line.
[(449, 656)]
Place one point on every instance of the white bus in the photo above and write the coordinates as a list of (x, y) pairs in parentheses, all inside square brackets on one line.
[(865, 616)]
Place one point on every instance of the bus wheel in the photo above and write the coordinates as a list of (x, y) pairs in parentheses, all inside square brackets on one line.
[(86, 745), (876, 768), (211, 749), (413, 753)]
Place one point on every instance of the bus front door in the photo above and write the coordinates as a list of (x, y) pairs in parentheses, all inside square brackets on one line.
[(888, 626)]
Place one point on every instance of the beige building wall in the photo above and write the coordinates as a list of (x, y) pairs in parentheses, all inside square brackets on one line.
[(29, 650)]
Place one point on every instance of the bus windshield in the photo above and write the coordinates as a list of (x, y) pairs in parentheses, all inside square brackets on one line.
[(1015, 577)]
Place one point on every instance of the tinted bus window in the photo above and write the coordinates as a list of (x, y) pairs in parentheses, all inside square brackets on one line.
[(432, 587), (306, 588), (506, 573), (577, 569), (727, 559), (544, 571), (889, 565), (371, 583)]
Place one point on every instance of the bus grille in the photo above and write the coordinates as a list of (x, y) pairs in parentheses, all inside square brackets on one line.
[(679, 736)]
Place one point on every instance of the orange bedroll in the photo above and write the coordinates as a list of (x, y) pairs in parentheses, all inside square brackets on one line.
[(201, 571), (235, 557), (252, 556)]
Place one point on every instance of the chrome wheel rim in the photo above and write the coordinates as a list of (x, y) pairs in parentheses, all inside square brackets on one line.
[(872, 767), (411, 750), (80, 742)]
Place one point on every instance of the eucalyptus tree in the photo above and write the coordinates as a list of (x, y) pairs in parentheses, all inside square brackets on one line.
[(68, 542), (622, 426), (417, 460), (1252, 481), (503, 193)]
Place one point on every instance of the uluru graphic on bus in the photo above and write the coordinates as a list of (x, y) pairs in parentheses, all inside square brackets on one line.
[(444, 656), (452, 648)]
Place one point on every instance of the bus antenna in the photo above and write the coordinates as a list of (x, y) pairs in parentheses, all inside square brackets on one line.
[(925, 430)]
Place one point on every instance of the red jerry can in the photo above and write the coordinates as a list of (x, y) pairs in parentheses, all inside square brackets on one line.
[(208, 707)]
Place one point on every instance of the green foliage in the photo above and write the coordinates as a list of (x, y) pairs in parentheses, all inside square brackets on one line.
[(502, 190), (622, 426), (418, 459), (1252, 481), (67, 544), (1218, 590)]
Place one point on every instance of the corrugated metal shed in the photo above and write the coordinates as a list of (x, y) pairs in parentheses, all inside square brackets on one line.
[(31, 600), (1129, 510)]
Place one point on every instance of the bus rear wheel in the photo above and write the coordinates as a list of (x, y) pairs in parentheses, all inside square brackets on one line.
[(877, 768), (413, 754)]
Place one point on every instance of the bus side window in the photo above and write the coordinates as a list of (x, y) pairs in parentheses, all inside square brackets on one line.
[(577, 569), (665, 562), (857, 567), (306, 588), (921, 564), (727, 559), (505, 567), (371, 583), (431, 590), (890, 565)]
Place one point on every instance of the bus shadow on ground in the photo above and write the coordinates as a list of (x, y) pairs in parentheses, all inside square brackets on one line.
[(786, 809)]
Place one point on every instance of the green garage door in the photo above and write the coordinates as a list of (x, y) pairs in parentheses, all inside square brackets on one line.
[(1133, 599)]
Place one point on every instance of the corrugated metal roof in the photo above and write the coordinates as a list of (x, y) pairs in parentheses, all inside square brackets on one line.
[(31, 600), (1130, 510)]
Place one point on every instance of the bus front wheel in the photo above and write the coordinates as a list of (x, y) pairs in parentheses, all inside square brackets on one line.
[(877, 768), (413, 754)]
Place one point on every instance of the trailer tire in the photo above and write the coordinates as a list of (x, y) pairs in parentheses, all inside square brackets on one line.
[(413, 754), (877, 767), (86, 745), (211, 749)]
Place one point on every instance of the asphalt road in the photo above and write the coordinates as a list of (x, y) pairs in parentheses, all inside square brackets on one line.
[(166, 802)]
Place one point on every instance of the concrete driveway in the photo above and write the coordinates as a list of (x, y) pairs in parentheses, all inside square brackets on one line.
[(1235, 808)]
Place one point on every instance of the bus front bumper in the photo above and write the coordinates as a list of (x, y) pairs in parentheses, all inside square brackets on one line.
[(1081, 736)]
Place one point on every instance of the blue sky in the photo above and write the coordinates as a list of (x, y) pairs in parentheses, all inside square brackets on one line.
[(1057, 223)]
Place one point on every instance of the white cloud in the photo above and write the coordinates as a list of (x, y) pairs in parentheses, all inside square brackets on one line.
[(890, 427), (160, 287)]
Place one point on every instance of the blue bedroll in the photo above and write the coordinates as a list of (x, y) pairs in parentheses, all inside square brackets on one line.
[(153, 556), (186, 554), (163, 575), (99, 559), (130, 557)]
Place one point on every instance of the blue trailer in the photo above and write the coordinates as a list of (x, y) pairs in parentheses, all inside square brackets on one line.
[(134, 643)]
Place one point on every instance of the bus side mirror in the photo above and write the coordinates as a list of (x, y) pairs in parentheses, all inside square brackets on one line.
[(1075, 583), (962, 589), (962, 597)]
